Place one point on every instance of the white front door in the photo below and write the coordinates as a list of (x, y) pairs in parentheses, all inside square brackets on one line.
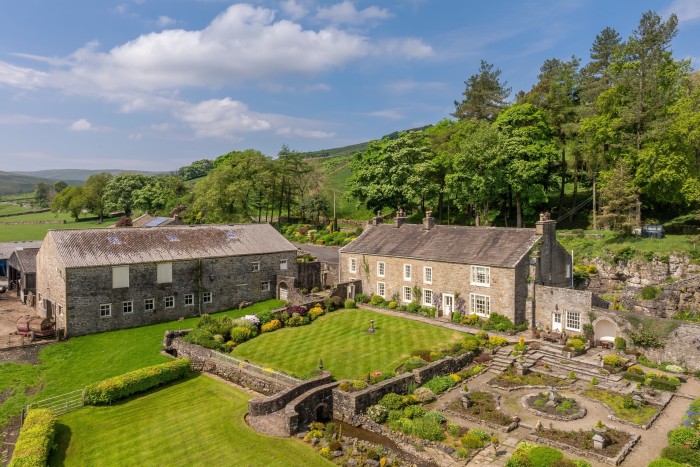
[(283, 292), (448, 304), (556, 321)]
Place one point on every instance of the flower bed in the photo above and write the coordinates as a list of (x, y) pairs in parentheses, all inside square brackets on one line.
[(564, 409), (623, 408), (511, 380), (484, 409), (584, 440)]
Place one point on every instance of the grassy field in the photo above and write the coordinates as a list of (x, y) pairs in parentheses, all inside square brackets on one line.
[(337, 170), (67, 366), (340, 340), (8, 208), (10, 232), (165, 427)]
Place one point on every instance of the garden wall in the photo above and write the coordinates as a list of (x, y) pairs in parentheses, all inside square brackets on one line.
[(202, 361), (270, 404), (315, 404)]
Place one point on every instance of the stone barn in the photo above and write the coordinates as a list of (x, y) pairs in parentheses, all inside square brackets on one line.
[(96, 280)]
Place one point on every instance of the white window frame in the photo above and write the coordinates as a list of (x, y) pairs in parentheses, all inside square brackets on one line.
[(381, 268), (189, 297), (407, 269), (105, 310), (120, 277), (265, 286), (570, 315), (128, 305), (207, 297), (284, 264), (149, 304), (255, 266), (428, 275), (381, 289), (60, 310), (171, 300), (428, 293), (479, 306), (481, 270), (164, 273), (407, 295), (352, 265)]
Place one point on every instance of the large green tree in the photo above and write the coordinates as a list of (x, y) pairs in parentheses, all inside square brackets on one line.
[(42, 195), (484, 95), (530, 151), (119, 190), (94, 190), (159, 195), (71, 199)]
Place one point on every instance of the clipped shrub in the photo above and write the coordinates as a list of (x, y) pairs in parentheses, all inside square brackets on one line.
[(315, 312), (631, 376), (112, 389), (440, 384), (336, 301), (663, 385), (35, 439), (378, 413), (472, 441), (393, 401), (412, 363), (675, 369), (413, 307), (579, 345), (297, 320), (344, 386), (361, 298), (470, 320), (424, 395), (392, 305), (240, 334), (358, 384), (482, 335), (270, 326), (498, 341), (681, 454), (202, 337), (376, 300), (613, 360), (350, 304), (427, 428), (635, 369), (544, 456), (620, 343), (470, 345)]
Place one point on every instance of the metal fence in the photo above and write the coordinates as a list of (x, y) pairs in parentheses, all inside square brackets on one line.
[(60, 404), (267, 372)]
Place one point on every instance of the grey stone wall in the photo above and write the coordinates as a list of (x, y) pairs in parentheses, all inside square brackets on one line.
[(51, 281), (550, 299), (309, 275), (202, 361), (230, 281), (441, 367), (342, 289), (270, 404), (553, 260), (329, 274)]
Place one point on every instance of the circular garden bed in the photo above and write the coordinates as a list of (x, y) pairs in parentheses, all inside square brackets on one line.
[(552, 405)]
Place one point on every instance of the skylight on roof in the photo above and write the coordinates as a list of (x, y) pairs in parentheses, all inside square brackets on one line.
[(114, 240), (172, 237)]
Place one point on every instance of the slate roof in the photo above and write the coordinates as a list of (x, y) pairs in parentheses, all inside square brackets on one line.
[(26, 260), (6, 248), (487, 246), (106, 247)]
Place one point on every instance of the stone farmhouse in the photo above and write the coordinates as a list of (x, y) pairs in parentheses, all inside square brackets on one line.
[(477, 270), (97, 280)]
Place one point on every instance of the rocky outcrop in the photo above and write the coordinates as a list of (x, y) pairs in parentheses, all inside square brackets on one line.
[(638, 273)]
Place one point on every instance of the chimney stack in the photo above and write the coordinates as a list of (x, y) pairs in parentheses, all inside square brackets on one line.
[(378, 219), (400, 218), (429, 220)]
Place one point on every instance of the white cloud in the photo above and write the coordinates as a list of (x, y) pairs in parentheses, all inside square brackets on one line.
[(316, 134), (293, 9), (686, 10), (164, 21), (20, 77), (221, 118), (80, 125), (388, 113), (29, 120), (346, 13)]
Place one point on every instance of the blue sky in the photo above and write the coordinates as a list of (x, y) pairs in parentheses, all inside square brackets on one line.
[(156, 84)]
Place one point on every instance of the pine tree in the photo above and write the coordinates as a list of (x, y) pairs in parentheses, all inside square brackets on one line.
[(484, 97)]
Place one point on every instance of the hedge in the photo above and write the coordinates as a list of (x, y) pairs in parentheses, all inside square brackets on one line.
[(35, 439), (633, 376), (663, 384), (112, 389)]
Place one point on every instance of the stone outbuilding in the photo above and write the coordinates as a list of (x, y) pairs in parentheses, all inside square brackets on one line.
[(21, 269), (96, 280), (477, 270)]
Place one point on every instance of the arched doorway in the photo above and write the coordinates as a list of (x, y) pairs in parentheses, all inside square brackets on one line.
[(605, 330), (322, 413), (282, 291)]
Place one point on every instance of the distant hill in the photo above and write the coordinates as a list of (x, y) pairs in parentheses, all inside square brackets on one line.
[(77, 175), (12, 183)]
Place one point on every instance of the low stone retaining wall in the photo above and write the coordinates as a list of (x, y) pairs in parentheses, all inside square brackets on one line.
[(348, 404), (305, 408), (617, 460), (202, 361), (24, 213), (270, 404), (562, 418)]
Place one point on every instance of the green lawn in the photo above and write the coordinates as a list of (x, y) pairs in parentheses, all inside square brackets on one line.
[(339, 338), (8, 208), (166, 427), (17, 232), (67, 366)]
